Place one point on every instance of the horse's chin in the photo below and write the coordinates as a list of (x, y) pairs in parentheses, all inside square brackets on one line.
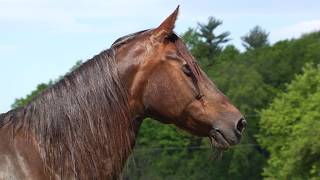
[(219, 142)]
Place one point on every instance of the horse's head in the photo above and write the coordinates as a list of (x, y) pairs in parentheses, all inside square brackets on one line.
[(165, 83)]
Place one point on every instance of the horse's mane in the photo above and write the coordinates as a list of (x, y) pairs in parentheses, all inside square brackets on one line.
[(82, 122)]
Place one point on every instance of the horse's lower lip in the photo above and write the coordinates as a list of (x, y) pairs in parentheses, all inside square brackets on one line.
[(218, 140)]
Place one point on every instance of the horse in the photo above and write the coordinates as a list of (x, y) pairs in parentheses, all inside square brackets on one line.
[(85, 125)]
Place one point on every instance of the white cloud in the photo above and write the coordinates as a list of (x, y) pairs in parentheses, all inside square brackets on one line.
[(295, 30)]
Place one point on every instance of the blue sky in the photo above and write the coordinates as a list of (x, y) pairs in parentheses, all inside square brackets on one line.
[(42, 39)]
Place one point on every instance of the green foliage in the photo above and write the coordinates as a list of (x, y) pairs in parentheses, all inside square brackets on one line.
[(290, 129), (279, 64), (23, 101), (76, 66), (209, 38), (203, 40), (256, 38)]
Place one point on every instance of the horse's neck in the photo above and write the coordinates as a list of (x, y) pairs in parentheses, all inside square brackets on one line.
[(108, 144), (109, 148), (131, 133), (119, 151)]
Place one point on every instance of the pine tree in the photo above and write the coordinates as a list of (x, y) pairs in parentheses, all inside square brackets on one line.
[(256, 38)]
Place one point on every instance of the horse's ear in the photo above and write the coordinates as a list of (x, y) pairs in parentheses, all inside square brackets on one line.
[(167, 26)]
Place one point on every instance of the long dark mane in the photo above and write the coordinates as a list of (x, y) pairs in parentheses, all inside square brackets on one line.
[(82, 123)]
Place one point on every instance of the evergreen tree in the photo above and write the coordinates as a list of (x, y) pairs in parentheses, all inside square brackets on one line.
[(212, 40), (256, 38), (205, 44)]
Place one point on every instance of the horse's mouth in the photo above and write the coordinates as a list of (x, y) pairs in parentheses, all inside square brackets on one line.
[(218, 140)]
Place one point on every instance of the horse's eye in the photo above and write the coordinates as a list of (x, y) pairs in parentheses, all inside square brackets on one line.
[(186, 69)]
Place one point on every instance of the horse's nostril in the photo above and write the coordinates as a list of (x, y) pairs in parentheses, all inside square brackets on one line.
[(242, 123)]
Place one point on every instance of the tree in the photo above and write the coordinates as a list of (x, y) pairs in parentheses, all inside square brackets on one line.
[(279, 63), (76, 66), (256, 38), (204, 43), (290, 129), (213, 41), (23, 101)]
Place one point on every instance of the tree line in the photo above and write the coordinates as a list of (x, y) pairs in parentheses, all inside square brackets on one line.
[(276, 86)]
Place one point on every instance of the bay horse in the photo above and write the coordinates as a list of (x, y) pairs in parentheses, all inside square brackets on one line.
[(84, 126)]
